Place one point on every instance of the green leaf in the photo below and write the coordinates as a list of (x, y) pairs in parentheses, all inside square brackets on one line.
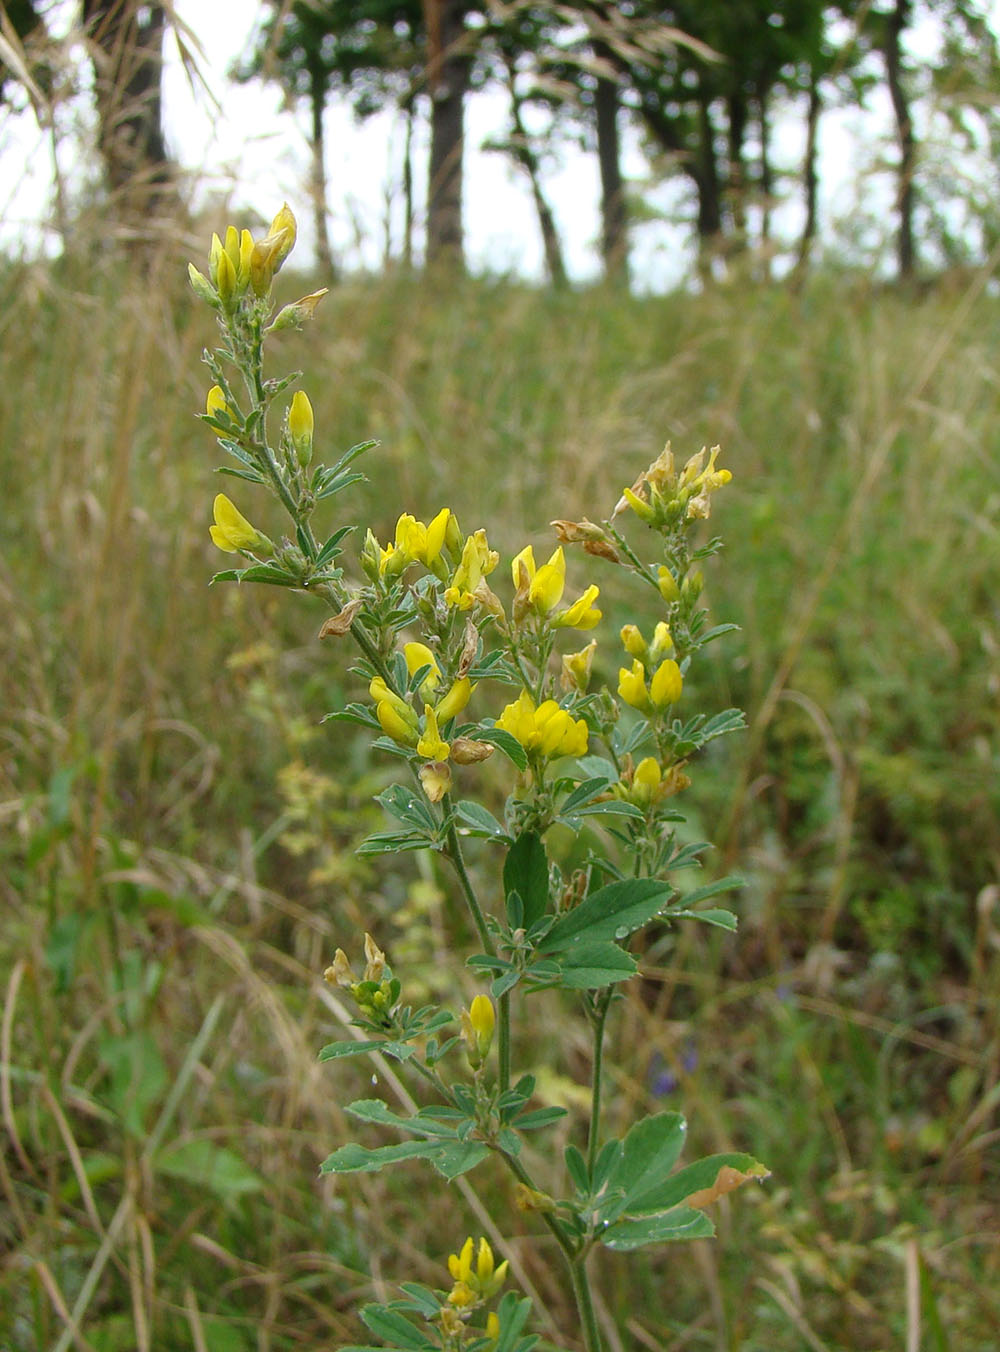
[(330, 550), (576, 1167), (538, 1118), (403, 804), (374, 1110), (395, 842), (681, 1223), (503, 741), (526, 872), (482, 822), (395, 1329), (450, 1158), (724, 919), (593, 966), (612, 808), (334, 1050), (582, 794), (649, 1152), (612, 912), (269, 573), (209, 1166), (352, 454), (699, 894), (699, 1184)]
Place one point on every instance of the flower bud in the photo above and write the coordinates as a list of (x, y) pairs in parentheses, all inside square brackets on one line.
[(478, 1024), (300, 427), (202, 287)]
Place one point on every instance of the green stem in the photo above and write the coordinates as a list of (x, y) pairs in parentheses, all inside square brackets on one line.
[(503, 1023), (631, 555), (594, 1132), (468, 891), (550, 1222), (585, 1304), (503, 1043)]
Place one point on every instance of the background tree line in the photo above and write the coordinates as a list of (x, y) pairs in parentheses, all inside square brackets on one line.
[(702, 81)]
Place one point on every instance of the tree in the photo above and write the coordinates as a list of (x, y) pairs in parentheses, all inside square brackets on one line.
[(449, 70), (370, 51), (126, 46)]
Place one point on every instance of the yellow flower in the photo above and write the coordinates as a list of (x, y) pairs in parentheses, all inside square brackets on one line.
[(547, 728), (632, 685), (539, 589), (477, 562), (582, 614), (417, 543), (646, 781), (226, 281), (269, 253), (396, 725), (435, 779), (633, 641), (418, 655), (396, 717), (431, 745), (662, 643), (300, 420), (483, 1281), (478, 1024), (215, 402), (576, 667), (666, 684), (232, 531), (456, 699)]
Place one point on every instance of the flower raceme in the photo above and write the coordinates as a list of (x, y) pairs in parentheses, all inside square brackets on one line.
[(539, 591), (661, 497), (475, 1274), (237, 263), (545, 730)]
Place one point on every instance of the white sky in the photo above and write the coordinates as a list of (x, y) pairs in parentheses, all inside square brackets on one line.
[(253, 154)]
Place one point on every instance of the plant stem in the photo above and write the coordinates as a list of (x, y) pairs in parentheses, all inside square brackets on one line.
[(584, 1304), (503, 1023), (468, 891), (503, 1043), (594, 1133)]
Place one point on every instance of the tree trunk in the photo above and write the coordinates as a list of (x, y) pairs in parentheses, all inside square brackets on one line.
[(897, 21), (408, 188), (737, 110), (317, 100), (809, 175), (126, 42), (448, 72), (614, 221), (521, 148), (766, 181), (705, 172)]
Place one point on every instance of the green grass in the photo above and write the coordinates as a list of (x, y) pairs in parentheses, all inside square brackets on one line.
[(178, 832)]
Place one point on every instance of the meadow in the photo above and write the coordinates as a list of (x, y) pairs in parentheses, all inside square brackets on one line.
[(178, 830)]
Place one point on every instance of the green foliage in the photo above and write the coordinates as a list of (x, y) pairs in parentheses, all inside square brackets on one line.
[(147, 723)]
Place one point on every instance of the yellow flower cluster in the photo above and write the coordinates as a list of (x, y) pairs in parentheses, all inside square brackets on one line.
[(649, 783), (544, 730), (660, 496), (238, 263), (663, 690), (475, 1274), (539, 591)]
